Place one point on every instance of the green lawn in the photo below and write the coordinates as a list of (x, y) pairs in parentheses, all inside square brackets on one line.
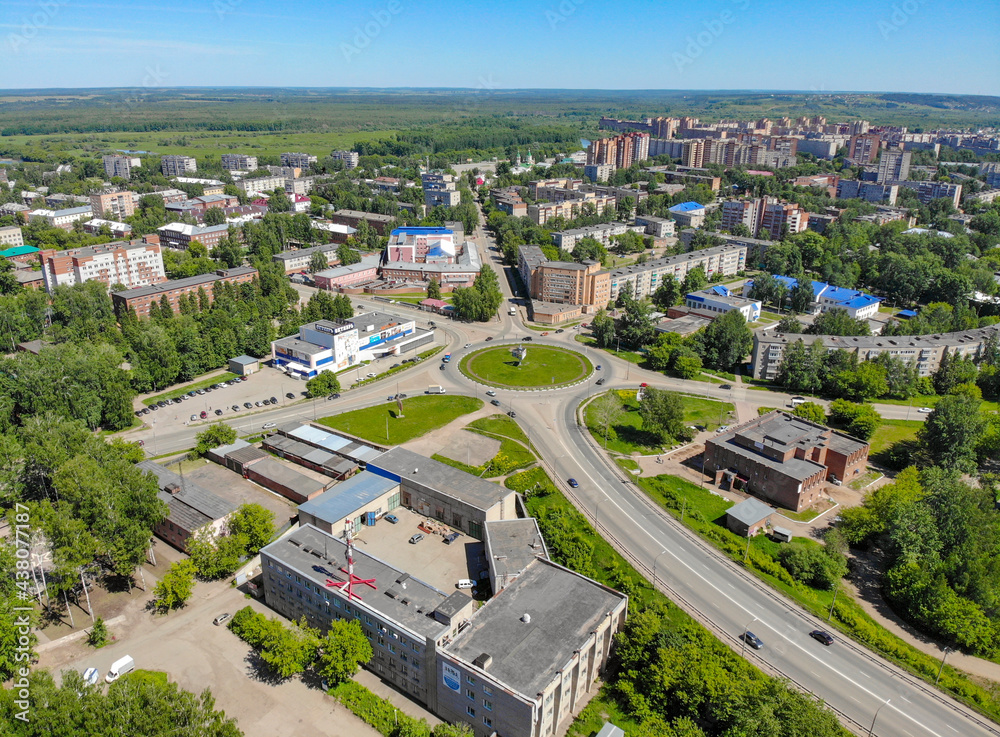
[(421, 415), (630, 356), (417, 298), (511, 456), (892, 431), (174, 393), (629, 437), (543, 366), (500, 425)]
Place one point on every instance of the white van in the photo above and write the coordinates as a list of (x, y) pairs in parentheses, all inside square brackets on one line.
[(465, 583), (119, 668)]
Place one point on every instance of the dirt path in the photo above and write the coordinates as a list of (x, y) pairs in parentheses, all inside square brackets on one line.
[(864, 586)]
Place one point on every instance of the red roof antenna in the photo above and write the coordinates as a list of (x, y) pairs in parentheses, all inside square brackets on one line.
[(348, 585)]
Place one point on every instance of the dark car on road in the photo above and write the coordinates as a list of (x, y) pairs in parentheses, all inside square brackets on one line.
[(573, 482), (600, 382), (752, 640), (821, 636), (512, 413), (495, 402), (218, 412)]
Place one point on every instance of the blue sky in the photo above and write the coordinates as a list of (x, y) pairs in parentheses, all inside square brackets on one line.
[(887, 45)]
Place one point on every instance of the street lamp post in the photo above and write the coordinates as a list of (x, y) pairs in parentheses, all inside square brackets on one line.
[(833, 603), (745, 629), (941, 669), (662, 552), (871, 730), (597, 509)]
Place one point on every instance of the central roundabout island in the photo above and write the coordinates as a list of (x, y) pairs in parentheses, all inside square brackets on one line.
[(526, 366)]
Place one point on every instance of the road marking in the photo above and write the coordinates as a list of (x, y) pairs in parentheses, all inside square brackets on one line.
[(744, 609)]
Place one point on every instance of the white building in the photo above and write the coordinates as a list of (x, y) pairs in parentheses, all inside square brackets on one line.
[(645, 278), (718, 300), (826, 297), (118, 230), (10, 236), (302, 161), (132, 264), (325, 345), (261, 185), (62, 218)]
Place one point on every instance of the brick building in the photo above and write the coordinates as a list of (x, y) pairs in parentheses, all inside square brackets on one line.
[(180, 235), (381, 223), (120, 204), (784, 459), (141, 298), (132, 264)]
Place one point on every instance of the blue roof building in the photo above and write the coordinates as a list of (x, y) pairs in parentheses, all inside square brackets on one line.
[(859, 305), (687, 207)]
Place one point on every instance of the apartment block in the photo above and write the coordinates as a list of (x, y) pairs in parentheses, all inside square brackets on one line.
[(62, 219), (238, 162), (598, 172), (645, 278), (619, 152), (180, 235), (927, 191), (117, 229), (602, 233), (178, 166), (509, 200), (134, 264), (300, 260), (351, 159), (864, 148), (10, 236), (563, 282), (778, 218), (303, 161), (850, 189), (542, 212), (893, 166), (381, 223), (141, 298), (119, 205), (120, 166), (924, 351), (657, 227), (261, 185), (741, 212)]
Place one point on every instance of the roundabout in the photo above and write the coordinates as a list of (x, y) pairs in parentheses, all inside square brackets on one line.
[(525, 366)]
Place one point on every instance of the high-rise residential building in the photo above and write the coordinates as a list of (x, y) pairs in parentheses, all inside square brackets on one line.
[(741, 212), (132, 264), (778, 218), (864, 148), (894, 166), (119, 204), (927, 190), (239, 162), (350, 158), (178, 166), (620, 152), (119, 166), (300, 160)]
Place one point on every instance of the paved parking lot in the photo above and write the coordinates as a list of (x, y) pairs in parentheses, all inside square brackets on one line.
[(431, 560)]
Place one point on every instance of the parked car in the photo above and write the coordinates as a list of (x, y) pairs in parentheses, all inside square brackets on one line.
[(495, 402), (289, 395), (512, 414), (721, 428), (449, 539), (257, 404), (371, 375), (194, 418), (220, 619), (573, 482), (192, 393), (821, 636), (236, 408), (218, 412), (752, 640), (391, 519), (199, 392), (248, 405), (414, 539), (91, 676), (465, 583), (274, 400), (267, 426), (489, 338), (204, 414)]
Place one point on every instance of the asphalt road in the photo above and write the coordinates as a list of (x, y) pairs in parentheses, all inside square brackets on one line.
[(850, 679)]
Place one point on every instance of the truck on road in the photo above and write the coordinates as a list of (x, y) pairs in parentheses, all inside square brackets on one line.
[(447, 358), (119, 668), (435, 389), (512, 310)]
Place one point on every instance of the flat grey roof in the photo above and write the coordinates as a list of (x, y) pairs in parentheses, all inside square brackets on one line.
[(400, 464), (564, 609), (750, 511), (245, 360), (346, 498), (287, 476), (512, 545), (318, 557), (190, 281), (192, 506), (301, 346)]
